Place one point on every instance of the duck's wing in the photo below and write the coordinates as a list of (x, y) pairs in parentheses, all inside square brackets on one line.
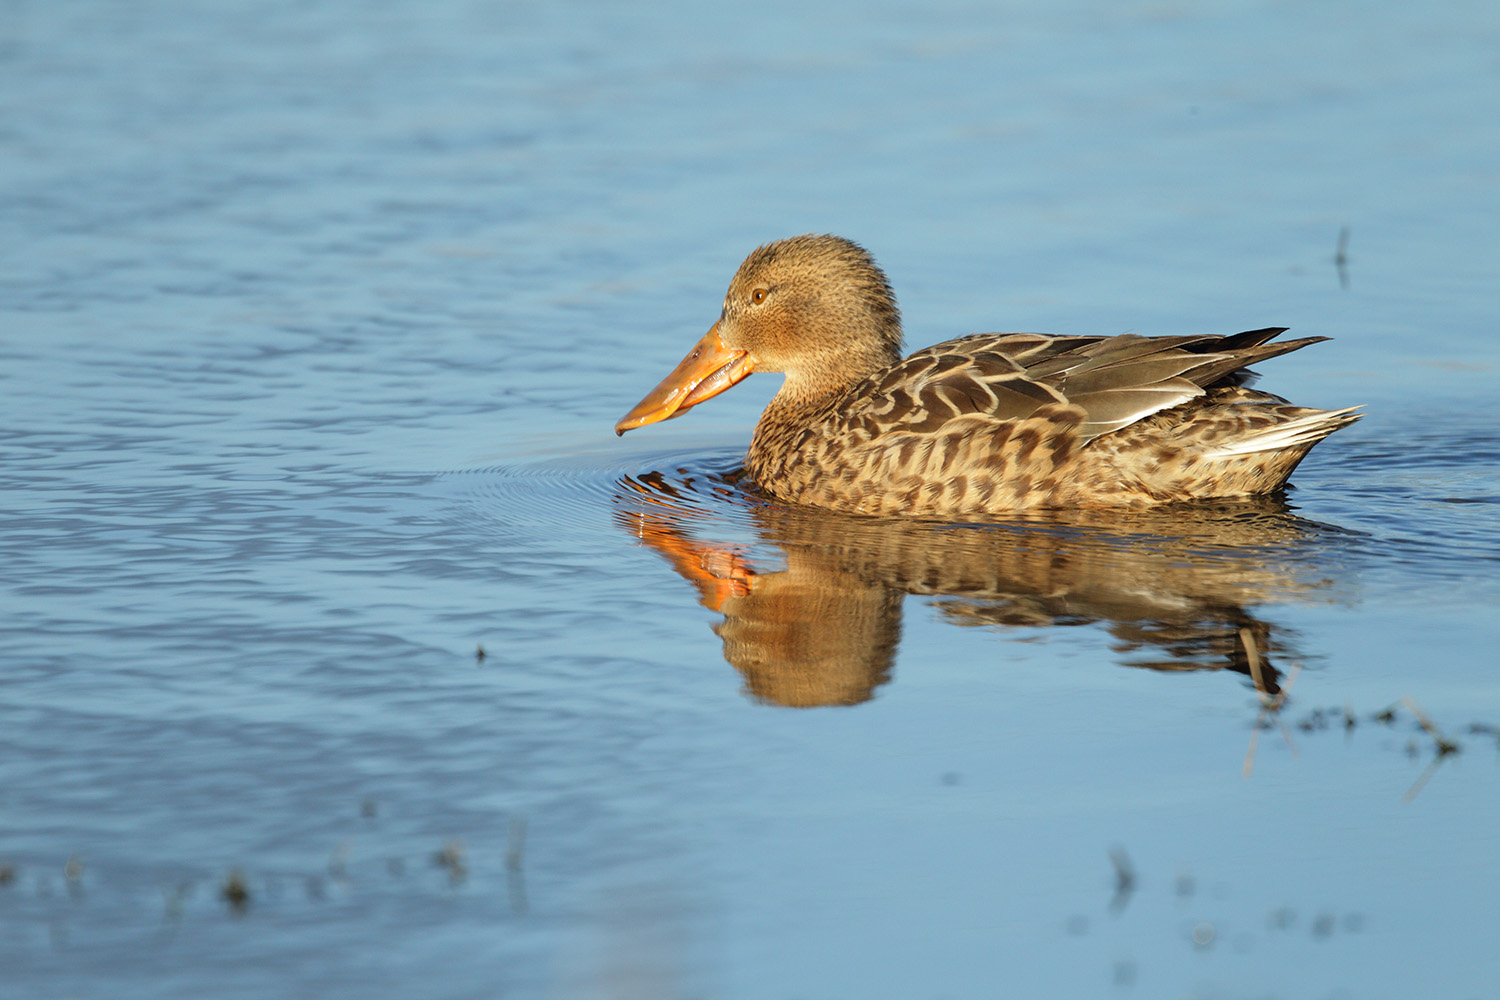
[(1115, 381), (925, 392)]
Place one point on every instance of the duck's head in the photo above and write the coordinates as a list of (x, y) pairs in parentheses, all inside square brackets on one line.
[(815, 307)]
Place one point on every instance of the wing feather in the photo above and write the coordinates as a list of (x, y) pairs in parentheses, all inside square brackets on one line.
[(1007, 377)]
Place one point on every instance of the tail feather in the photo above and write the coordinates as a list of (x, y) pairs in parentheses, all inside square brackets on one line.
[(1299, 432), (1230, 368), (1250, 338)]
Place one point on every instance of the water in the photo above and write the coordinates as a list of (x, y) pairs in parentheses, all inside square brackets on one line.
[(314, 322)]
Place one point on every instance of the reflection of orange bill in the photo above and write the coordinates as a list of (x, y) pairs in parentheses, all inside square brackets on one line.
[(719, 572)]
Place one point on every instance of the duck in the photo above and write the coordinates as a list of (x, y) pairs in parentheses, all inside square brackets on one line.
[(985, 424)]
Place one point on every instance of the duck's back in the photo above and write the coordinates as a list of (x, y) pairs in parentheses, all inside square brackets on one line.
[(998, 422)]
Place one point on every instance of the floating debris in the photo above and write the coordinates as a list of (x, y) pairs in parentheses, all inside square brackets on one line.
[(174, 899), (73, 875), (1445, 746), (1319, 719), (338, 862), (515, 849), (1341, 258), (1124, 880), (235, 890), (515, 853), (1204, 935), (451, 859), (1282, 918)]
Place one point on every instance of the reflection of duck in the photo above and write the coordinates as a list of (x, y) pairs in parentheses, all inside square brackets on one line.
[(983, 424), (1172, 589)]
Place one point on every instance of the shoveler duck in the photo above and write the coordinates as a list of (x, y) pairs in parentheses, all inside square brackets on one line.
[(983, 424)]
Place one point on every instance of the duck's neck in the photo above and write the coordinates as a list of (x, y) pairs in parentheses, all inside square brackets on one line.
[(796, 409), (814, 392)]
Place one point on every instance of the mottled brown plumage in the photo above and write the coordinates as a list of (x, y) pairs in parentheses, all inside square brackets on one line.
[(986, 423)]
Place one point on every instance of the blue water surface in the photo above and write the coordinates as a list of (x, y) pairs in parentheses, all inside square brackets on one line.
[(346, 651)]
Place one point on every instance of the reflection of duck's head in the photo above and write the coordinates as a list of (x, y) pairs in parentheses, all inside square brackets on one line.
[(806, 636)]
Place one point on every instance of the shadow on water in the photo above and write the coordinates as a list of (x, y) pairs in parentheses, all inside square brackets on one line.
[(812, 614)]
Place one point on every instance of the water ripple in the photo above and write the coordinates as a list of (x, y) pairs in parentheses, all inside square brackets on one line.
[(567, 493)]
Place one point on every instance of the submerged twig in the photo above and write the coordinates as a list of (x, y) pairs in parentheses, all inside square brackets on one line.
[(1270, 705), (515, 878), (1422, 779), (1444, 745)]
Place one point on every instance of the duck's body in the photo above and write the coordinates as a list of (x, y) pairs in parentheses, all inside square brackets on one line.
[(999, 422), (982, 424)]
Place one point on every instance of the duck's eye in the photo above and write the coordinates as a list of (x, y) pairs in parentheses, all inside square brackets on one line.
[(758, 296)]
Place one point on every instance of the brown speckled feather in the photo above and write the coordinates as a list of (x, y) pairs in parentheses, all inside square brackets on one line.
[(992, 422)]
